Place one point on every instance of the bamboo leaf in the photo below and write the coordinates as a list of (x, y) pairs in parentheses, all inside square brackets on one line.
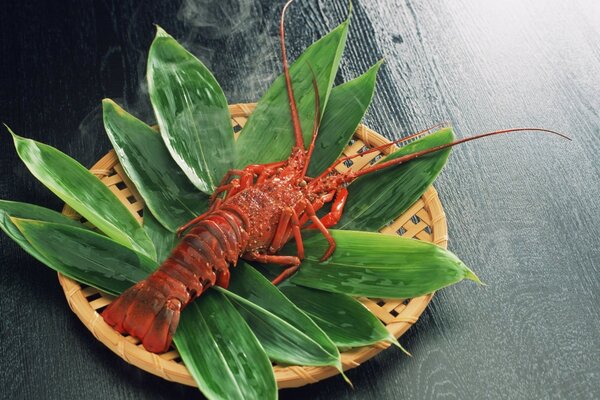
[(346, 107), (288, 335), (192, 112), (222, 353), (163, 239), (14, 209), (376, 199), (376, 265), (215, 343), (344, 319), (85, 193), (86, 256), (166, 190), (269, 131)]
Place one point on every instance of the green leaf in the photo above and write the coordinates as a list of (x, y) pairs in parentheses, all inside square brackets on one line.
[(376, 265), (268, 134), (166, 190), (86, 256), (344, 319), (221, 352), (215, 343), (376, 199), (346, 107), (164, 240), (84, 192), (288, 335), (14, 209), (192, 112)]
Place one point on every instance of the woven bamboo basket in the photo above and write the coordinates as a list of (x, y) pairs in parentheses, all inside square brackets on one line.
[(425, 220)]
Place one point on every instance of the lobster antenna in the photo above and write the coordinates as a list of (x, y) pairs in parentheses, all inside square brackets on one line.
[(424, 132), (288, 81), (409, 157), (316, 122), (378, 148)]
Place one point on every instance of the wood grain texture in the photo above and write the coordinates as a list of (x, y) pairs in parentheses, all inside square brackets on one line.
[(522, 212)]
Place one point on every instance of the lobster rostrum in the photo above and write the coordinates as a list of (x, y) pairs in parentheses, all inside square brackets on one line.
[(253, 213)]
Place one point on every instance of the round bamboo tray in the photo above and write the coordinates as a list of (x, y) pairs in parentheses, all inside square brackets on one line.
[(425, 220)]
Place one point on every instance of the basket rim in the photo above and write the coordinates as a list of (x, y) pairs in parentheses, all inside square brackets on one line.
[(290, 376)]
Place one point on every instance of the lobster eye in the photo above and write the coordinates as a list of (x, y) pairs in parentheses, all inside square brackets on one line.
[(302, 183)]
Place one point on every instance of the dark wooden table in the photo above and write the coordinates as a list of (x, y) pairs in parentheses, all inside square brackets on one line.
[(523, 211)]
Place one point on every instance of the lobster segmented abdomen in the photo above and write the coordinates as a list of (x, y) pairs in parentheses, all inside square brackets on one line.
[(150, 309)]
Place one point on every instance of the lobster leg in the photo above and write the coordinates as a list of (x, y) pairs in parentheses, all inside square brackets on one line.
[(294, 228), (231, 188), (337, 208), (194, 221), (288, 221), (267, 170), (291, 218), (286, 273), (226, 178), (282, 227), (223, 278), (246, 178), (319, 225), (260, 168), (292, 261), (297, 235), (317, 205)]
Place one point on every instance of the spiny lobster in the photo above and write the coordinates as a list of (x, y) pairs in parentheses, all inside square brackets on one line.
[(253, 213)]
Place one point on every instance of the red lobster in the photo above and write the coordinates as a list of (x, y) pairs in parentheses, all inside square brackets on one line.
[(253, 213)]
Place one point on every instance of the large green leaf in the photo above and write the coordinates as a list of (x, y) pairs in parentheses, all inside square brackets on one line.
[(346, 107), (86, 256), (376, 199), (14, 209), (80, 189), (166, 190), (288, 335), (192, 112), (268, 134), (215, 343), (344, 319), (376, 265), (163, 239), (222, 353)]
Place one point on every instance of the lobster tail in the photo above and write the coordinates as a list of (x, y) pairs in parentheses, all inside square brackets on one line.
[(149, 311), (159, 336)]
